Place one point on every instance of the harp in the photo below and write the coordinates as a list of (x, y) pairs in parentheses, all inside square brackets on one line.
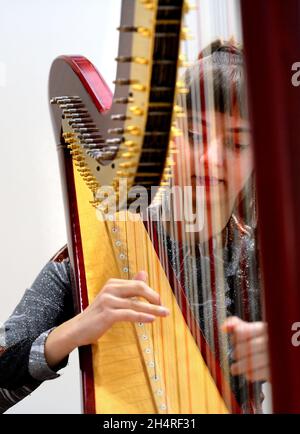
[(113, 149)]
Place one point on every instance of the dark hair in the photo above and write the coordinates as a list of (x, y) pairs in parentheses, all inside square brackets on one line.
[(220, 68)]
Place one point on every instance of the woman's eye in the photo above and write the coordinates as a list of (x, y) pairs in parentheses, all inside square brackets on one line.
[(236, 146)]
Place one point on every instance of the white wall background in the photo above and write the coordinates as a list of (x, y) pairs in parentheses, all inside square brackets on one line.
[(32, 226)]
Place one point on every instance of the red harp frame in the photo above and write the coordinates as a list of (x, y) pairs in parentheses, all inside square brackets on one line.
[(272, 44)]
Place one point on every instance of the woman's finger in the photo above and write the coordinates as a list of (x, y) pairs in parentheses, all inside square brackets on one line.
[(247, 348), (133, 288), (114, 302), (132, 316), (249, 364), (245, 331)]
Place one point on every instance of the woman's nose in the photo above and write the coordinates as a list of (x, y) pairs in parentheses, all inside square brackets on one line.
[(213, 153)]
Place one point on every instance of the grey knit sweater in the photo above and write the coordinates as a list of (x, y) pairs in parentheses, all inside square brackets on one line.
[(46, 304)]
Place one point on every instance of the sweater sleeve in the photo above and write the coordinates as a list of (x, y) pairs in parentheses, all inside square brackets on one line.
[(45, 305)]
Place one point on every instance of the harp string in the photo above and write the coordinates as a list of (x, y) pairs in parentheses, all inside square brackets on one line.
[(202, 252)]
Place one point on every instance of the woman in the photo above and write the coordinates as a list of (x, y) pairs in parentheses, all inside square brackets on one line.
[(214, 251), (42, 331)]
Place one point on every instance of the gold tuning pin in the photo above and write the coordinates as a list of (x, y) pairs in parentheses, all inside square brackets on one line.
[(179, 111), (181, 88), (149, 4), (67, 135), (123, 174), (176, 132), (73, 146), (119, 117), (126, 29), (128, 154), (182, 61), (129, 143), (134, 130), (130, 146), (127, 100), (136, 59), (170, 162), (140, 60), (137, 111), (187, 7), (75, 152), (125, 82), (139, 87), (185, 34), (127, 165), (70, 140), (143, 31)]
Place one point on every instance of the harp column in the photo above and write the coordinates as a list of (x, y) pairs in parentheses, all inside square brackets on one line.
[(272, 45)]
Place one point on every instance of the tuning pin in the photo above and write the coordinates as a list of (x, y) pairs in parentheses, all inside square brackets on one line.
[(137, 111), (144, 31), (71, 106), (179, 111), (75, 113), (75, 121), (115, 141), (128, 100), (94, 136), (75, 152), (80, 164), (70, 101), (89, 178), (112, 149), (127, 165), (124, 82), (78, 159), (85, 129), (181, 88), (90, 146), (127, 29), (133, 129), (59, 99), (139, 87), (149, 4), (67, 135), (135, 59), (176, 132), (185, 35), (115, 131), (73, 147), (84, 171), (132, 150), (70, 140), (95, 141), (187, 7), (119, 117), (56, 99), (182, 62), (125, 174), (77, 124), (128, 154)]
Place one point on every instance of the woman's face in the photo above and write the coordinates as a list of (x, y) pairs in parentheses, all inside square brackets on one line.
[(216, 156)]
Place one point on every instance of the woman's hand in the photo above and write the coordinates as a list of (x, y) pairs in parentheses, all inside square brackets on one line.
[(250, 348), (119, 300)]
